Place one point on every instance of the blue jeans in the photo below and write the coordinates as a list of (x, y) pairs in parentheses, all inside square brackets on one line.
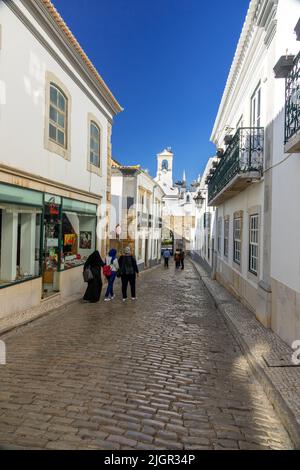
[(110, 287)]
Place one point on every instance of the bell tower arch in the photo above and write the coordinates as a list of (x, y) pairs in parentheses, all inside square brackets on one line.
[(165, 167)]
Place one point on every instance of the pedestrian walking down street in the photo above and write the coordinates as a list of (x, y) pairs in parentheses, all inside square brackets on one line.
[(182, 256), (129, 271), (112, 265), (94, 263), (177, 258), (166, 256)]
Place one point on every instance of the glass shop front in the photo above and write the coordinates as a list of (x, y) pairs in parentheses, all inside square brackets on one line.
[(41, 235)]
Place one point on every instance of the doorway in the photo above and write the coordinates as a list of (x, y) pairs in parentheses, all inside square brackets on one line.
[(146, 263), (51, 249)]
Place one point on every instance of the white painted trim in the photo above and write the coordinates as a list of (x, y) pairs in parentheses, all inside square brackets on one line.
[(49, 144)]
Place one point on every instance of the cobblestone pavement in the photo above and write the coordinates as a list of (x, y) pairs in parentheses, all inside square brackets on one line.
[(269, 355), (163, 372)]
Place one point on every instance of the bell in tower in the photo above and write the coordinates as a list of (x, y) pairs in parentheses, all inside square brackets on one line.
[(165, 168)]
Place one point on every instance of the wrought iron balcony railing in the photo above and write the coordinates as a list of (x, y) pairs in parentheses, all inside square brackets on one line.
[(292, 101), (243, 156)]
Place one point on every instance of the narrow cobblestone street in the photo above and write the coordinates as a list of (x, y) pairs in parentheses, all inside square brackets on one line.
[(161, 373)]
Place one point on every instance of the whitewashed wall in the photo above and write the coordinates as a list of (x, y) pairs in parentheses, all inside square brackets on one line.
[(285, 265), (23, 65)]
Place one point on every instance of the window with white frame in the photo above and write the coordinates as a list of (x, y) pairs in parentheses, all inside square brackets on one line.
[(226, 236), (219, 234), (237, 234), (58, 115), (253, 243), (94, 144), (256, 107)]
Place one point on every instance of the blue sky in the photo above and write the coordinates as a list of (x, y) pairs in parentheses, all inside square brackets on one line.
[(166, 61)]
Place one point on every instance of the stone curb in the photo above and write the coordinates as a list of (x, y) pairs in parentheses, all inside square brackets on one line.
[(282, 408)]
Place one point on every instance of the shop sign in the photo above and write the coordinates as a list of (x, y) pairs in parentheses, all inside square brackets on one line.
[(52, 199), (52, 242), (53, 209)]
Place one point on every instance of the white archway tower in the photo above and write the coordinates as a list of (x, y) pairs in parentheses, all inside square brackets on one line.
[(165, 167)]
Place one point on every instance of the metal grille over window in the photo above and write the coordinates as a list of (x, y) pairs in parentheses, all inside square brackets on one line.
[(95, 145), (226, 236), (292, 99), (237, 225), (253, 248), (58, 116), (219, 234)]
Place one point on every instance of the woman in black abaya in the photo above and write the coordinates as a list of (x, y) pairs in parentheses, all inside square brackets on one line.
[(93, 291)]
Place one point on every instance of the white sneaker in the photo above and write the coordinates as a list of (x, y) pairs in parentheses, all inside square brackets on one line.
[(107, 299), (112, 298), (133, 298), (124, 300)]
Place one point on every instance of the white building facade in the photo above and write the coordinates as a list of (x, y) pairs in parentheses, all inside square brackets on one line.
[(203, 246), (178, 203), (255, 186), (136, 214), (56, 117)]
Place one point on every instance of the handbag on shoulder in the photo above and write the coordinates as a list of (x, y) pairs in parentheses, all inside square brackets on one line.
[(119, 273), (87, 274), (107, 270)]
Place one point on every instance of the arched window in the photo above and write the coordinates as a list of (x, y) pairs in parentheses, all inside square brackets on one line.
[(165, 165), (58, 116), (94, 144)]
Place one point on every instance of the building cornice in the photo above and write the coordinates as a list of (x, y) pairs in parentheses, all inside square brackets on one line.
[(45, 181), (260, 17), (126, 169), (73, 46), (49, 19)]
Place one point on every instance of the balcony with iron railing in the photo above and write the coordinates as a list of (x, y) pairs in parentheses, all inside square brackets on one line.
[(241, 164), (292, 109)]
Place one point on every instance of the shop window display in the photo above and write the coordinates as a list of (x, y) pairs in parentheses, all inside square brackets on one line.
[(52, 226), (78, 238), (20, 231), (42, 234)]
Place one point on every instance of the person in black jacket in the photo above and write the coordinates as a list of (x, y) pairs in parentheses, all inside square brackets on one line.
[(182, 256), (93, 291), (129, 271)]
